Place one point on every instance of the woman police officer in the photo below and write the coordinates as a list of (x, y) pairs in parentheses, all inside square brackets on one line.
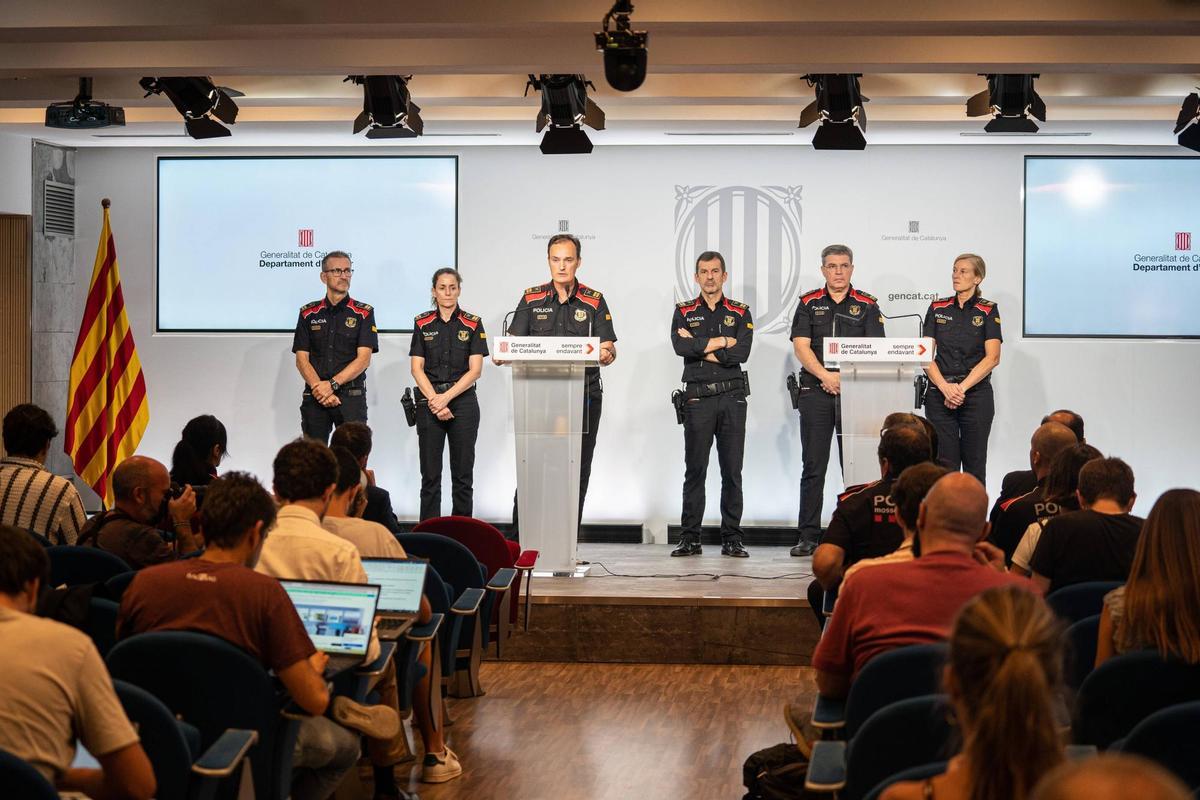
[(959, 404), (447, 352)]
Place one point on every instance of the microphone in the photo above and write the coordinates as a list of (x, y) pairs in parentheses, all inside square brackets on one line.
[(507, 326), (920, 321)]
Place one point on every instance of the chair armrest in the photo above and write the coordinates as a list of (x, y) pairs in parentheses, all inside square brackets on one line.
[(502, 581), (375, 668), (424, 633), (468, 603), (827, 768), (225, 754), (527, 560), (829, 713)]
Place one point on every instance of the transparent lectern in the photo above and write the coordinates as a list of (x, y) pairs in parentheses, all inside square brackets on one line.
[(878, 377), (548, 419)]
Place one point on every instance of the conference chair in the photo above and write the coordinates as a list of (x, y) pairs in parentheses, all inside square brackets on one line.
[(918, 773), (1081, 659), (1080, 600), (899, 736), (182, 770), (117, 584), (1127, 689), (904, 672), (20, 779), (213, 686), (458, 566), (443, 603), (1172, 738), (71, 565), (101, 624), (495, 552)]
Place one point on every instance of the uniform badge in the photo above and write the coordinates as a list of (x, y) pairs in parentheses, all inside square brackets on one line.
[(728, 321), (314, 328), (855, 310), (580, 315), (351, 322), (464, 336), (977, 321)]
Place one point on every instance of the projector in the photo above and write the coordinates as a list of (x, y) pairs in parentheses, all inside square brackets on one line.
[(77, 115)]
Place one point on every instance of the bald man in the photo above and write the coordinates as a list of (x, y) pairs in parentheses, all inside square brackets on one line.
[(1020, 481), (1111, 776), (915, 602), (1011, 518), (144, 526)]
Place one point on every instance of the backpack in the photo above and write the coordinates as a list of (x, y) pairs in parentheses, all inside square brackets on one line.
[(776, 773)]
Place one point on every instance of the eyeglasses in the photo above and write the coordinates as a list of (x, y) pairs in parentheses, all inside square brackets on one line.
[(339, 272)]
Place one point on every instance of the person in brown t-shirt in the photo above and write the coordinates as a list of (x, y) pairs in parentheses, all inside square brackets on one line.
[(220, 594), (130, 529)]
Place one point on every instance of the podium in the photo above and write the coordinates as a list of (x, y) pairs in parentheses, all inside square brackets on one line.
[(877, 376), (548, 418)]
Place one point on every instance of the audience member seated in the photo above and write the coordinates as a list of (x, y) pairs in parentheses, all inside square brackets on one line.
[(1002, 674), (133, 527), (1110, 776), (1021, 481), (343, 517), (220, 594), (907, 494), (864, 522), (914, 602), (1061, 498), (32, 497), (202, 447), (54, 688), (1159, 606), (1018, 513), (305, 480), (1097, 542), (356, 437)]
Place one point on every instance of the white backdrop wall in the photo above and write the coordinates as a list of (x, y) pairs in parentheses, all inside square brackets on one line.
[(1137, 397)]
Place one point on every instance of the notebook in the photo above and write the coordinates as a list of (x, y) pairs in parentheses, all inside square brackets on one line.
[(401, 583), (338, 617)]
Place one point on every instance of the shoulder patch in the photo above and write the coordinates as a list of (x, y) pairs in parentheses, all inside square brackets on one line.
[(853, 490), (985, 306), (863, 297), (424, 318), (815, 294), (688, 306), (942, 303), (309, 309), (589, 296), (470, 320), (1005, 505), (587, 290), (535, 293), (738, 308), (362, 309)]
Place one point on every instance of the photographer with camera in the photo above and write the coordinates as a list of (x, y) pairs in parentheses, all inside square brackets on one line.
[(150, 521)]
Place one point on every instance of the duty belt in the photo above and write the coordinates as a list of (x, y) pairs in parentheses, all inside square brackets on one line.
[(699, 389)]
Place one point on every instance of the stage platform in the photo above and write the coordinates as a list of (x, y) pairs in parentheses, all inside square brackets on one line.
[(636, 604)]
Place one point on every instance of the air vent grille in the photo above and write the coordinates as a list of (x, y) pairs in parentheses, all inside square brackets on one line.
[(58, 211)]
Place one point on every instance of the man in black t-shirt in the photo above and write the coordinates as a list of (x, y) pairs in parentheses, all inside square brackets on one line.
[(1016, 514), (1096, 543)]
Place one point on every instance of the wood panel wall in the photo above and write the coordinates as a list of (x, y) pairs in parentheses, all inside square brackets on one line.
[(16, 285)]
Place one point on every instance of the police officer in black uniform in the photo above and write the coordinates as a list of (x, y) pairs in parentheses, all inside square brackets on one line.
[(838, 309), (335, 337), (966, 334), (713, 335), (565, 307), (447, 350)]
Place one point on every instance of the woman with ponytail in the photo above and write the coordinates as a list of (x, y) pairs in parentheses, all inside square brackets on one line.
[(1003, 672), (201, 448)]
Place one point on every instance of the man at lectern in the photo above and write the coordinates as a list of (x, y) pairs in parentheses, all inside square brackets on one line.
[(713, 335), (836, 309), (565, 307), (335, 337)]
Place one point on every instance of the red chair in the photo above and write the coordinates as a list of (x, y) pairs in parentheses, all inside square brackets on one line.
[(495, 553)]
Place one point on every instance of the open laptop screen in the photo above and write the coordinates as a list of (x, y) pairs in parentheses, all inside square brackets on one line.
[(401, 583), (337, 616)]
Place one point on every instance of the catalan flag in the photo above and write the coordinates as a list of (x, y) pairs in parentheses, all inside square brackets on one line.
[(107, 410)]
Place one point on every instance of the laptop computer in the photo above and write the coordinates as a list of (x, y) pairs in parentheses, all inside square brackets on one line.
[(339, 618), (401, 583)]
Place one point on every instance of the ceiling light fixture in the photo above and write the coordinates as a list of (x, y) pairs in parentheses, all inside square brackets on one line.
[(839, 109), (388, 110), (624, 49), (1010, 100), (565, 108), (200, 102)]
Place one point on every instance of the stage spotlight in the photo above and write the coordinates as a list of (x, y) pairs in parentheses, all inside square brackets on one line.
[(388, 109), (1010, 100), (1187, 124), (565, 107), (839, 109), (83, 112), (624, 49), (199, 101)]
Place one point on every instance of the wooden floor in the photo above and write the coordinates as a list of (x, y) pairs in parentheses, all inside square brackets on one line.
[(646, 572), (615, 731)]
